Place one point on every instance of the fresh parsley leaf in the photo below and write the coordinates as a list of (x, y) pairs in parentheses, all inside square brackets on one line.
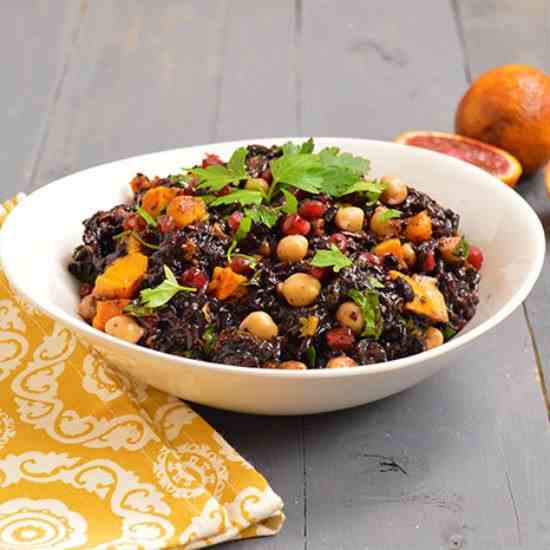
[(389, 214), (240, 234), (242, 196), (331, 157), (462, 249), (163, 293), (146, 216), (237, 163), (331, 258), (311, 356), (215, 177), (301, 171), (263, 215), (307, 147), (448, 332), (291, 203), (290, 148), (244, 228), (137, 310), (337, 181), (374, 282), (368, 186), (209, 338), (370, 306)]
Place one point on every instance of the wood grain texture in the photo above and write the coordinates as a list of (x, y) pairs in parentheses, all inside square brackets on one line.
[(496, 33), (36, 40), (460, 461), (472, 452)]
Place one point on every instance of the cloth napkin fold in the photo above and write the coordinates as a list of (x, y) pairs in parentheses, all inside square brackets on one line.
[(90, 458)]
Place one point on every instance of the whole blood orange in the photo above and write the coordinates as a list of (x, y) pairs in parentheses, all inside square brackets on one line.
[(491, 159), (509, 107)]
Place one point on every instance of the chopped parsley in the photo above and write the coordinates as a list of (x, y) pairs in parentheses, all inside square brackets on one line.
[(369, 303), (215, 177), (448, 332), (163, 293), (290, 205), (263, 215), (242, 196), (146, 216), (138, 310), (240, 234), (311, 356), (138, 238), (209, 339), (389, 214), (331, 258)]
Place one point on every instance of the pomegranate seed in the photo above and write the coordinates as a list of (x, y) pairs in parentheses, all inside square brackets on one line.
[(267, 175), (475, 257), (85, 289), (340, 338), (235, 220), (133, 222), (295, 225), (429, 262), (241, 265), (211, 160), (318, 272), (339, 240), (312, 209), (194, 277), (371, 259), (166, 224), (224, 191)]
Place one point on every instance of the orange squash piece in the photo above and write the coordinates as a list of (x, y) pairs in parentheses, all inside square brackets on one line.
[(157, 199), (140, 182), (419, 227), (225, 283), (122, 278), (106, 310), (428, 300), (391, 246), (133, 245), (186, 210)]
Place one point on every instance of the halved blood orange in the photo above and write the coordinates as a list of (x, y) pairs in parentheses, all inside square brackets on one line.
[(547, 177), (491, 159)]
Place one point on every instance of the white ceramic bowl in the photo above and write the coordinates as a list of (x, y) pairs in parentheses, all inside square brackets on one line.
[(37, 240)]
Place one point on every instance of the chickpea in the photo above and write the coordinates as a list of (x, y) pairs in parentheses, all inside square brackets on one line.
[(87, 307), (396, 191), (292, 248), (341, 362), (350, 218), (301, 289), (125, 328), (447, 246), (259, 324), (293, 365), (433, 337), (257, 184), (409, 255), (349, 315), (380, 226)]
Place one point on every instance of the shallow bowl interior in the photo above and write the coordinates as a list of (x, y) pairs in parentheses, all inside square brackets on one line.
[(37, 240)]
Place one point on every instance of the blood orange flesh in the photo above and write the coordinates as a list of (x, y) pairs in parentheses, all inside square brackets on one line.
[(487, 157)]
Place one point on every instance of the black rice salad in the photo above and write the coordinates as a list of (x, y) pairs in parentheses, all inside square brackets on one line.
[(280, 258)]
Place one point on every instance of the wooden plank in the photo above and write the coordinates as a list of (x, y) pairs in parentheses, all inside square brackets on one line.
[(35, 45), (258, 87), (472, 440), (517, 33), (146, 77)]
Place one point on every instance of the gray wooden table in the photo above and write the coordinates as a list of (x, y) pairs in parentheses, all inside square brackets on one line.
[(460, 461)]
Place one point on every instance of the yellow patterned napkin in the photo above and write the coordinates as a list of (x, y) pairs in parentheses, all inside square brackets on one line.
[(90, 458)]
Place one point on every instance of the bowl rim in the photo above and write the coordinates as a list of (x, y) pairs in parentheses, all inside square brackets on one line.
[(79, 325)]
